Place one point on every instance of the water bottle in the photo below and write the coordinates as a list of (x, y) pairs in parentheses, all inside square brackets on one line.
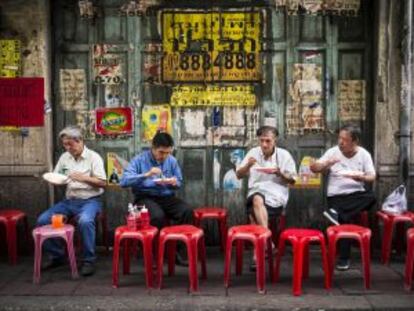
[(138, 217), (145, 218)]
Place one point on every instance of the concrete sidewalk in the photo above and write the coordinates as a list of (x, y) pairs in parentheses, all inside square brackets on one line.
[(58, 291)]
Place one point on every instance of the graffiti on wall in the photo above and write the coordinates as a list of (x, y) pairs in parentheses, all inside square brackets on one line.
[(211, 95), (213, 46), (72, 89), (305, 111), (351, 100), (155, 118), (10, 62)]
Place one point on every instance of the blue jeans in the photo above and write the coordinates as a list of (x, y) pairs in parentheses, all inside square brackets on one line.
[(85, 211)]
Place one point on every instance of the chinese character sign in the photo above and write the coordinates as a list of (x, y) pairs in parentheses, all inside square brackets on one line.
[(214, 46)]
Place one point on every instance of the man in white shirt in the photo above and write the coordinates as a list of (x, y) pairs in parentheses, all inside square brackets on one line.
[(270, 170), (87, 178), (350, 167)]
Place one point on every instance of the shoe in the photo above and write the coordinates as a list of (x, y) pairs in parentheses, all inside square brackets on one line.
[(343, 264), (51, 263), (180, 261), (88, 268), (332, 216)]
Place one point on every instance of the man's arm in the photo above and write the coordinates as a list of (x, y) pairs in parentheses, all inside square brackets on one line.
[(321, 166), (132, 174), (243, 171), (90, 180)]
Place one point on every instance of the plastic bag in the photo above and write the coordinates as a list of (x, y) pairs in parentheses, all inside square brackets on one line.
[(396, 202)]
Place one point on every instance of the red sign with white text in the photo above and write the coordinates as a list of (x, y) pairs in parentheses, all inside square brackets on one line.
[(114, 121), (21, 102)]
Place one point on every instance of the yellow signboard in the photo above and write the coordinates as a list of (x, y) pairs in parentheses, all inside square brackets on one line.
[(213, 46), (192, 95), (10, 58)]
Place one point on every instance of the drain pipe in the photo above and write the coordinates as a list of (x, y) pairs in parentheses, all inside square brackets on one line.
[(406, 96)]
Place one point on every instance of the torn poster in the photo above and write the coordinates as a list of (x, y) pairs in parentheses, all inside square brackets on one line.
[(107, 66), (152, 63), (10, 60), (72, 89), (21, 102), (113, 95), (85, 119), (305, 111), (155, 118), (115, 167), (351, 100), (332, 7)]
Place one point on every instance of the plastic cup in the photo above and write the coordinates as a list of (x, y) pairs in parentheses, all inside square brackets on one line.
[(57, 221)]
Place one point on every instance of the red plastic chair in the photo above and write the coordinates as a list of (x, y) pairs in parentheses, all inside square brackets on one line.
[(40, 234), (213, 213), (362, 235), (409, 263), (193, 237), (391, 220), (9, 218), (300, 240), (100, 218), (260, 237), (146, 236)]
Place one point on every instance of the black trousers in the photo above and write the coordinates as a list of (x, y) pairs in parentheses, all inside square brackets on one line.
[(348, 207), (165, 208)]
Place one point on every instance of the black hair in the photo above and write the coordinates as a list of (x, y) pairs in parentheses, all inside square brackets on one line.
[(267, 129), (354, 131), (162, 139)]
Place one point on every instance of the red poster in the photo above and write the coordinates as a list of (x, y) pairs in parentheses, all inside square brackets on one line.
[(21, 102), (114, 121)]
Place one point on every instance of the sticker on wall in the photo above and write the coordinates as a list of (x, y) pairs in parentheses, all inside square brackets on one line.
[(155, 118), (10, 60), (115, 167), (305, 112), (230, 180), (306, 178), (351, 100), (72, 89), (211, 46), (107, 66), (114, 121), (211, 95), (86, 9)]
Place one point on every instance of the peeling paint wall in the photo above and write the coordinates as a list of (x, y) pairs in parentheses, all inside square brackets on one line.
[(25, 155)]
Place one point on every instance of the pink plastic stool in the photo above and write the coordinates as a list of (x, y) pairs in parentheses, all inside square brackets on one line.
[(260, 237), (9, 218), (362, 235), (40, 234), (146, 236), (409, 263), (213, 213), (300, 239), (391, 220), (193, 237)]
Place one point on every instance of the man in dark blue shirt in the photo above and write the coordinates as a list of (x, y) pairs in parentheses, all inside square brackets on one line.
[(154, 175)]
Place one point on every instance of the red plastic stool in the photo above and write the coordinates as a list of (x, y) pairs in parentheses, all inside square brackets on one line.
[(300, 239), (363, 219), (40, 234), (9, 218), (391, 220), (213, 213), (193, 237), (409, 263), (146, 236), (260, 237), (362, 235), (100, 218)]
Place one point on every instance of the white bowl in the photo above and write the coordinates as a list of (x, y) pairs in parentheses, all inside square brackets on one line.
[(56, 178)]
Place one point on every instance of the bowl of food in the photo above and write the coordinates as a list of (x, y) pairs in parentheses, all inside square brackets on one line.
[(56, 178)]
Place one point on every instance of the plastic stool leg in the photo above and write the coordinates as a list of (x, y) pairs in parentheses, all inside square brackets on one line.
[(409, 263), (227, 261), (259, 248), (71, 253), (297, 268), (115, 261), (366, 260), (38, 258), (386, 241), (192, 264), (147, 250)]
